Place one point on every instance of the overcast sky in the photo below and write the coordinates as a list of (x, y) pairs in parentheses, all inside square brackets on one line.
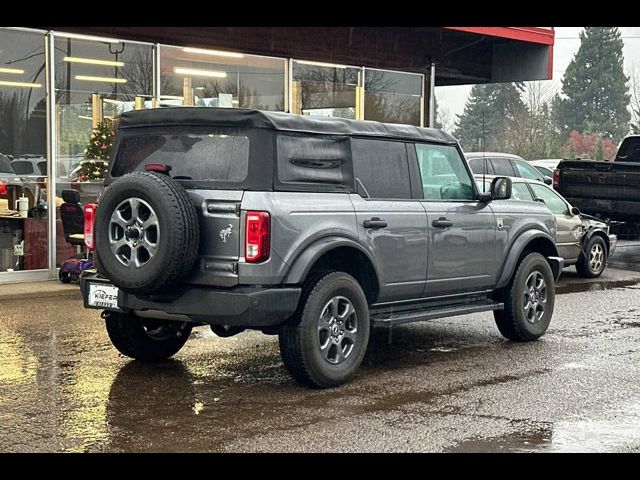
[(567, 44)]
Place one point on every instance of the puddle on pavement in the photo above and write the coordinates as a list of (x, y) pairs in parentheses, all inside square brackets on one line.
[(617, 431), (594, 286)]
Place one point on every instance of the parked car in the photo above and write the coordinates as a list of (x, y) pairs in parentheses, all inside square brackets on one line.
[(13, 185), (315, 230), (548, 168), (30, 167), (582, 240), (505, 164), (6, 175)]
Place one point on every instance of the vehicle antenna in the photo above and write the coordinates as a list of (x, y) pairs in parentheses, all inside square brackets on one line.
[(484, 157)]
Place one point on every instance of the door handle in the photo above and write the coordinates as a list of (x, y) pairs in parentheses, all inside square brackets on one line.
[(375, 224), (442, 223)]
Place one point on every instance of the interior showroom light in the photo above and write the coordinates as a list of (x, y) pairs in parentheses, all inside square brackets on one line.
[(14, 71), (85, 78), (213, 53), (196, 72), (320, 64), (5, 83), (93, 61)]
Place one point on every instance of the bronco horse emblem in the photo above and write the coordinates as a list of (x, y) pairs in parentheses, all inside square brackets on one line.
[(226, 234)]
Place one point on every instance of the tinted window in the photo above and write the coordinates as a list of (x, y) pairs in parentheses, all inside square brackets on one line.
[(552, 200), (528, 171), (382, 167), (5, 165), (42, 166), (212, 157), (521, 192), (23, 168), (443, 172), (629, 150), (312, 159), (502, 167), (477, 166)]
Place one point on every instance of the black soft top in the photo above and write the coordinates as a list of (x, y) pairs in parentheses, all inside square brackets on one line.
[(234, 117)]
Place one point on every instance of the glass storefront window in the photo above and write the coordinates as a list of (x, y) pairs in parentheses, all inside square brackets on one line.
[(212, 78), (324, 90), (95, 82), (393, 97), (23, 135)]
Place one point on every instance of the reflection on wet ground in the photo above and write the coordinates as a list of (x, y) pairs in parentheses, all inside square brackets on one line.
[(448, 385)]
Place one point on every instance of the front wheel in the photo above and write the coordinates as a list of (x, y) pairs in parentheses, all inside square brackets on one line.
[(145, 339), (593, 261), (529, 302), (323, 345)]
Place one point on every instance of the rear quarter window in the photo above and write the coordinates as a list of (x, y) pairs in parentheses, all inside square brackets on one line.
[(313, 162)]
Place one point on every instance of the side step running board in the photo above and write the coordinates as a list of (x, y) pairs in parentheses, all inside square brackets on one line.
[(386, 318)]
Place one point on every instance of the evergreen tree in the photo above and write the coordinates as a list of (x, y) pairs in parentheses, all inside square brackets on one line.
[(499, 103), (595, 90)]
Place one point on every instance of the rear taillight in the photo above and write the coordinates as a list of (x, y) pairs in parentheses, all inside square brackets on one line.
[(258, 238), (3, 189), (556, 179), (89, 220)]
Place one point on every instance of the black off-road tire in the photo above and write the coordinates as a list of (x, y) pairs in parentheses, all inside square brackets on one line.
[(179, 240), (128, 334), (583, 266), (512, 322), (299, 338)]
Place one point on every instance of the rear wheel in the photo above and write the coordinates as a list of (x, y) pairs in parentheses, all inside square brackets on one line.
[(145, 339), (529, 301), (592, 264), (324, 343)]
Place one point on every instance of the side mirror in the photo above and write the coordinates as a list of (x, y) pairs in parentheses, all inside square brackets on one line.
[(575, 211), (501, 188), (548, 180)]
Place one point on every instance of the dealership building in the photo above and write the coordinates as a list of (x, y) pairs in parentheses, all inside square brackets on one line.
[(59, 83)]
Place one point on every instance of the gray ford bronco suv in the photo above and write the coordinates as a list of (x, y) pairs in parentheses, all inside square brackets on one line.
[(315, 230)]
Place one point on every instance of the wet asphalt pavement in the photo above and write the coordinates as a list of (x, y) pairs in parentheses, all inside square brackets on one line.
[(450, 385)]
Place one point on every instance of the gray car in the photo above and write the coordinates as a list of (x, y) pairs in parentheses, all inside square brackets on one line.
[(315, 230), (582, 240), (505, 164)]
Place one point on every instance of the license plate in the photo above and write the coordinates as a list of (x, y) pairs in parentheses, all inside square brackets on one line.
[(103, 296)]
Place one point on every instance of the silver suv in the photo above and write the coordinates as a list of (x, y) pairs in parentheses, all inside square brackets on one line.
[(315, 230)]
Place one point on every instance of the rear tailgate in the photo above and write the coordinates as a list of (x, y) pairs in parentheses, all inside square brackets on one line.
[(601, 187), (220, 240)]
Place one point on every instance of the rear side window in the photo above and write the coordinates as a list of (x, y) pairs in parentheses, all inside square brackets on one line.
[(313, 161), (214, 157), (629, 150), (382, 168), (477, 166), (521, 192), (502, 167)]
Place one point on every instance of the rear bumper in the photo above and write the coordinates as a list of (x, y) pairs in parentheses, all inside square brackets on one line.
[(246, 307)]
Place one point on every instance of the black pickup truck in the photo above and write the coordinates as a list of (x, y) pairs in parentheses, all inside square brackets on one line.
[(609, 190)]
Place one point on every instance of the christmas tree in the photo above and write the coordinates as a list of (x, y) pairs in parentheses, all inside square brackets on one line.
[(98, 153)]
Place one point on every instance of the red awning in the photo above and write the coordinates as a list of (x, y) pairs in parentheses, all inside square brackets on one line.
[(539, 35)]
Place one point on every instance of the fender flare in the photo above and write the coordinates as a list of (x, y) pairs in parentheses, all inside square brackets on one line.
[(515, 252), (302, 265), (593, 232)]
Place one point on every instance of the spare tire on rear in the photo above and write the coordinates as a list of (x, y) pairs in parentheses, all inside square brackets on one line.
[(147, 233)]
